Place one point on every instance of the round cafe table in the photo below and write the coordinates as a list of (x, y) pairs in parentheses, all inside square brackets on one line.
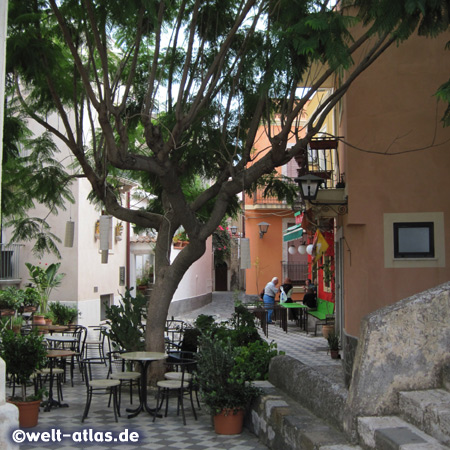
[(52, 355), (144, 359)]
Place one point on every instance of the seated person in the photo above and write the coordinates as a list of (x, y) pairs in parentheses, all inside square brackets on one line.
[(310, 299)]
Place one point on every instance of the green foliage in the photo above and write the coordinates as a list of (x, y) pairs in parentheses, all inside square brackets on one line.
[(62, 314), (428, 17), (222, 382), (443, 93), (23, 355), (45, 280), (333, 340), (204, 323), (253, 359), (126, 327), (11, 298), (221, 241), (31, 297), (31, 177)]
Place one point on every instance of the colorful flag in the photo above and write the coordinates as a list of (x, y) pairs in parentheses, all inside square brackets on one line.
[(320, 245)]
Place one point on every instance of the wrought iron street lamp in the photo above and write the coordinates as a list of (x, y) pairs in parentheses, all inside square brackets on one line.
[(309, 186), (263, 227)]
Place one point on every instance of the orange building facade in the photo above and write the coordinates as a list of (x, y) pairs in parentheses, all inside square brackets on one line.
[(386, 212)]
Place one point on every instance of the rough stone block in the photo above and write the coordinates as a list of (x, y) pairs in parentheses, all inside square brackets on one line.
[(429, 410)]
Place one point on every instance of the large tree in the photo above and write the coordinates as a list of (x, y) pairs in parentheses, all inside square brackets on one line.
[(168, 91)]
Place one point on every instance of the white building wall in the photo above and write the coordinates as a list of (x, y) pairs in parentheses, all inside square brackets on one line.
[(197, 281)]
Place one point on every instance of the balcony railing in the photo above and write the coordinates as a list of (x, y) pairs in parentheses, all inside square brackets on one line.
[(297, 272), (259, 199), (323, 161), (9, 261)]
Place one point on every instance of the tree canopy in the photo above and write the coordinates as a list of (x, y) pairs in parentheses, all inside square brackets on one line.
[(171, 91)]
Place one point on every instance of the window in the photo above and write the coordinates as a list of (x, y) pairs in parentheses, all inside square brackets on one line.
[(414, 240)]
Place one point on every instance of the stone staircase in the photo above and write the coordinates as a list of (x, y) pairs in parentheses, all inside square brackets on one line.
[(422, 421), (301, 409)]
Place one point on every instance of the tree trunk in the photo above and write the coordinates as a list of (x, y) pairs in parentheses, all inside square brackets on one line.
[(166, 282)]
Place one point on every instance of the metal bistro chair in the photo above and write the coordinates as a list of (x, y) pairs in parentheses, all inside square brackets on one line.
[(79, 332), (117, 371), (98, 386), (98, 344), (173, 334), (182, 385), (174, 372)]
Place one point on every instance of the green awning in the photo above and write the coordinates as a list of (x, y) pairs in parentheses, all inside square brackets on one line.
[(291, 233)]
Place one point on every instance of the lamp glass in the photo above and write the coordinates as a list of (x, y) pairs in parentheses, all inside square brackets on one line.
[(263, 227), (302, 249), (309, 186), (291, 249)]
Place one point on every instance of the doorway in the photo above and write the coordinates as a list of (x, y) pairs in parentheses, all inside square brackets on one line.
[(221, 276)]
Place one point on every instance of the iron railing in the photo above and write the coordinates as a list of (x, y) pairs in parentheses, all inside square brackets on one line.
[(297, 272), (9, 261), (258, 197)]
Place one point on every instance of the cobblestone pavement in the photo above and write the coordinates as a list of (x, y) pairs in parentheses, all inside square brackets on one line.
[(167, 432)]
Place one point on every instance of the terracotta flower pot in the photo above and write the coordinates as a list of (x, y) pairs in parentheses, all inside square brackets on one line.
[(28, 413), (228, 422), (38, 320), (334, 354)]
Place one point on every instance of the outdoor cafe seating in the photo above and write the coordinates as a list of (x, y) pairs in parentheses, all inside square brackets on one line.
[(99, 386)]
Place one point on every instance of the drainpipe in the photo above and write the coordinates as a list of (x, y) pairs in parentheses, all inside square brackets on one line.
[(127, 270)]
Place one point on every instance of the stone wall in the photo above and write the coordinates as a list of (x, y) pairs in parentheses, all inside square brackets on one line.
[(401, 347), (179, 307)]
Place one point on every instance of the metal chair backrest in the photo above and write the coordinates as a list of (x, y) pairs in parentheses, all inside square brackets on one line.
[(80, 333), (115, 363)]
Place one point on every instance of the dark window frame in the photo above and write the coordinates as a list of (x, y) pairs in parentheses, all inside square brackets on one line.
[(401, 225)]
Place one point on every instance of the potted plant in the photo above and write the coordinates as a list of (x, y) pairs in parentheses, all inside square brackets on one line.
[(224, 387), (16, 324), (180, 240), (49, 318), (45, 281), (31, 300), (10, 300), (63, 314), (333, 344), (23, 355)]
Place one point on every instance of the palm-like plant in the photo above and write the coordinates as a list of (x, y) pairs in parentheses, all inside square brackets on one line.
[(45, 281)]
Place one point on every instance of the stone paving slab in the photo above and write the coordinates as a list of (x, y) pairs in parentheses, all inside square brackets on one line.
[(392, 432)]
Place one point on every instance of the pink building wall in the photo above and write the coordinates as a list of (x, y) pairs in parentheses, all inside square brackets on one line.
[(391, 108)]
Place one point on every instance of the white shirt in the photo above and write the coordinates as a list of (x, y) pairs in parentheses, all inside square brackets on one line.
[(271, 290)]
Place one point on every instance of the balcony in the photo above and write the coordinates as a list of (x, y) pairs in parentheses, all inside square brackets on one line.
[(322, 161), (297, 272), (258, 199), (9, 264)]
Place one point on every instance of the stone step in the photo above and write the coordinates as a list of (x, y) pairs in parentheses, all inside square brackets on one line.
[(428, 410), (393, 433), (283, 424)]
